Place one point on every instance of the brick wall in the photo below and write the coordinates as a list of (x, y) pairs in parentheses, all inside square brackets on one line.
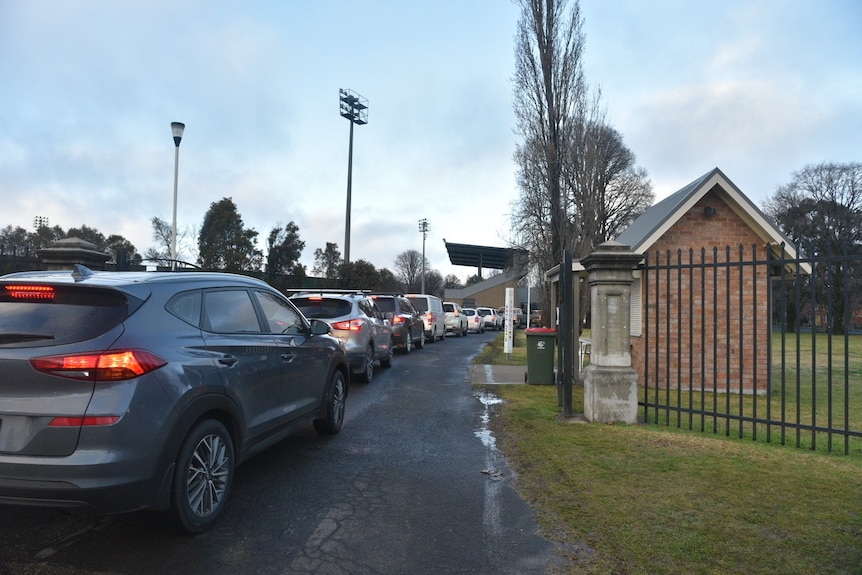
[(710, 341)]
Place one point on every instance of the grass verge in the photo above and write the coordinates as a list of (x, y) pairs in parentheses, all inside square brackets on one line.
[(649, 499)]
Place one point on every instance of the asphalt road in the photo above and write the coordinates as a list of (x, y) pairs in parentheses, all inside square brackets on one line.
[(413, 484)]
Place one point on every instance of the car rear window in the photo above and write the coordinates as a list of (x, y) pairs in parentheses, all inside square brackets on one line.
[(41, 315), (448, 307), (324, 308), (386, 304), (420, 303)]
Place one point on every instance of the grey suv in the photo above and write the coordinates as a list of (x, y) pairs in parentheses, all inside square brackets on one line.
[(132, 390), (408, 329), (355, 320)]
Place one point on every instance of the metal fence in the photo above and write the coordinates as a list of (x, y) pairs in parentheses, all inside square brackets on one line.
[(752, 343)]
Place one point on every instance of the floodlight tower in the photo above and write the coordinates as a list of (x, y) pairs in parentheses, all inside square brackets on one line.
[(423, 227), (355, 108)]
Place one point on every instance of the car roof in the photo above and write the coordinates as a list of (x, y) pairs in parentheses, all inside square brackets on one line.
[(133, 282), (82, 273)]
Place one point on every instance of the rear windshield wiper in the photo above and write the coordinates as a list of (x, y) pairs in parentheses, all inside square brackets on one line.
[(20, 337)]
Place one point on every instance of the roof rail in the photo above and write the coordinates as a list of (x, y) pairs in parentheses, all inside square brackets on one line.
[(329, 290)]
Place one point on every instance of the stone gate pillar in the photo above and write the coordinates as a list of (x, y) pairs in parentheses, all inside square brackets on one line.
[(610, 382)]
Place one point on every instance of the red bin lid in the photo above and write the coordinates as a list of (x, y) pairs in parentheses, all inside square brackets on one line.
[(541, 330)]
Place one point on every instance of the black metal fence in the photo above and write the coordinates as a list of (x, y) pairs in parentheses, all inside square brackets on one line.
[(754, 343)]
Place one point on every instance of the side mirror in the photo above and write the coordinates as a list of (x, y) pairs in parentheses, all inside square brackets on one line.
[(319, 327)]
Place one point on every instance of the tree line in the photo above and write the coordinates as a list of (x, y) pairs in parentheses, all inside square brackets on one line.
[(224, 243)]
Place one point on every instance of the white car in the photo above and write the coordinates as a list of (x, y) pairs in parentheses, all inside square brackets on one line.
[(493, 320), (456, 321), (475, 322)]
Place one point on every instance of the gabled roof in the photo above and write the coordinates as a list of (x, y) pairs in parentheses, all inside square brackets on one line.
[(645, 231)]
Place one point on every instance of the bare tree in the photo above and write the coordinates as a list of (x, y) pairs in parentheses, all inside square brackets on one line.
[(550, 92), (579, 185), (820, 210), (408, 269)]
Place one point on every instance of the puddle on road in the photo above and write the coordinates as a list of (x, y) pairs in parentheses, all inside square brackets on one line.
[(485, 435)]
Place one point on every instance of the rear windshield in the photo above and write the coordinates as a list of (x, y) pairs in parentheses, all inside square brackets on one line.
[(386, 304), (57, 314), (420, 303), (323, 308), (448, 307), (484, 312)]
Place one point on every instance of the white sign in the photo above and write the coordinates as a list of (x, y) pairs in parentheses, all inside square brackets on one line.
[(508, 334)]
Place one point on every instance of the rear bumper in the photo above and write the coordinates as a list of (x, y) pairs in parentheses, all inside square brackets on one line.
[(101, 487)]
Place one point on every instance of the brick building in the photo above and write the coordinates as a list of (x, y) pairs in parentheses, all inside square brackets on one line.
[(700, 308)]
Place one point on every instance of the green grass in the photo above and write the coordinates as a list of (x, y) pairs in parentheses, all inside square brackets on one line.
[(652, 499)]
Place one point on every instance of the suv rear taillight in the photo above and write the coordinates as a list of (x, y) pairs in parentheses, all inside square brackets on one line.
[(349, 325), (100, 366)]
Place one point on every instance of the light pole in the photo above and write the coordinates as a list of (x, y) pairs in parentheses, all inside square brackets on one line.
[(177, 130), (423, 227), (355, 108)]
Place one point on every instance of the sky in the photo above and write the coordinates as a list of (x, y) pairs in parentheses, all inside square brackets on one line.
[(88, 90)]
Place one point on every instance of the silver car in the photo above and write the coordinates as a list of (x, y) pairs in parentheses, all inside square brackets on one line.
[(355, 320), (133, 390)]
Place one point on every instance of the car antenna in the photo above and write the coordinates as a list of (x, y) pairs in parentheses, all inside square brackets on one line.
[(81, 272)]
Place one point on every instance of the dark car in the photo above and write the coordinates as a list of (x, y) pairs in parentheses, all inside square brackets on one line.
[(356, 320), (144, 390), (408, 329)]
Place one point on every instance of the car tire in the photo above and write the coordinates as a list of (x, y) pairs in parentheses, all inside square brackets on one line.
[(386, 360), (368, 367), (433, 336), (336, 395), (421, 343), (203, 476), (408, 345)]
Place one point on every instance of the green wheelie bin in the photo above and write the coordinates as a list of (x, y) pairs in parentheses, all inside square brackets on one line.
[(540, 355)]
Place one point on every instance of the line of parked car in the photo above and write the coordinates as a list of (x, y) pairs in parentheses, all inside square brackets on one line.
[(144, 390)]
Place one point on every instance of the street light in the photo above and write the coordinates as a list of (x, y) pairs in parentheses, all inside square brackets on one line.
[(423, 227), (355, 108), (177, 130)]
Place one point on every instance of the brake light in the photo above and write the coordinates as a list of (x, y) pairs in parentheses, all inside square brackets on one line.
[(100, 366), (349, 325), (30, 292), (87, 421), (397, 319), (431, 316)]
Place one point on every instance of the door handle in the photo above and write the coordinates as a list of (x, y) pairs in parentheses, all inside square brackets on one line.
[(228, 360)]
